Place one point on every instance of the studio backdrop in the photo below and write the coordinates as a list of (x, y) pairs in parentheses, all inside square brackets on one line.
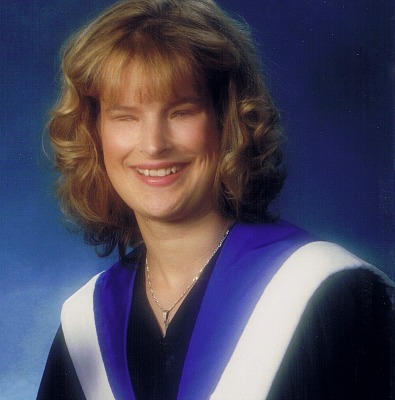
[(330, 67)]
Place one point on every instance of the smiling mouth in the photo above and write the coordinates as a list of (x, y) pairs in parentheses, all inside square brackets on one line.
[(159, 172)]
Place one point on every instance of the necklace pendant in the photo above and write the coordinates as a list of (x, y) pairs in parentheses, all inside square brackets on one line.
[(165, 313), (165, 317)]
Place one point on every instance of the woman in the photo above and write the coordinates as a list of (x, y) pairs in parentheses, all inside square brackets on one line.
[(167, 143)]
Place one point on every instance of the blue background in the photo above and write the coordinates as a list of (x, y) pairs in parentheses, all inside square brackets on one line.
[(330, 65)]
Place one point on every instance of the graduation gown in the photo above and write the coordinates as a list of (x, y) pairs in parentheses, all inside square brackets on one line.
[(275, 322)]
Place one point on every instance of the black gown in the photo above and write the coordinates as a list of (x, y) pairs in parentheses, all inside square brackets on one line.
[(342, 347)]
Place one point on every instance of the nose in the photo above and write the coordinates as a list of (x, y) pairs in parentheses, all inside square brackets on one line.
[(154, 137)]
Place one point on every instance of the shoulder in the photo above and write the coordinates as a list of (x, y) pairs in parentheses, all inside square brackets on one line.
[(342, 310), (321, 259), (317, 268), (320, 263), (104, 282), (343, 342), (306, 255), (268, 232), (300, 257), (90, 317)]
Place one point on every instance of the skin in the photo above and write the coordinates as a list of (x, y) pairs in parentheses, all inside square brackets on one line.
[(161, 156)]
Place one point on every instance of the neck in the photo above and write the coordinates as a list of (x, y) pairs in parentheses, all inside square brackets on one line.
[(176, 252)]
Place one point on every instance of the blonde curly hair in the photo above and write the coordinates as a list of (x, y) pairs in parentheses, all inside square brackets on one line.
[(173, 39)]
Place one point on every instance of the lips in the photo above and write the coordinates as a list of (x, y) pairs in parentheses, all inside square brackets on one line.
[(160, 172)]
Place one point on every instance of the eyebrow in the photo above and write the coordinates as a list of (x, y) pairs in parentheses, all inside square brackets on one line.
[(118, 107), (186, 100), (180, 101)]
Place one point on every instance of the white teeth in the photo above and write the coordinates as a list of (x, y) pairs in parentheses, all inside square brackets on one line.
[(158, 172), (163, 172)]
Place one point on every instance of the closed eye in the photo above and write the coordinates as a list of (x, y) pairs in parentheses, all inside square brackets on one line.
[(126, 118), (186, 112), (123, 117), (182, 113)]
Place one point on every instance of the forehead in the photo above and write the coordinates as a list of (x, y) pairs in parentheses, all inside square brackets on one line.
[(144, 81)]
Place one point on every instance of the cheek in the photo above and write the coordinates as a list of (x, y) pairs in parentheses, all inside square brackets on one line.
[(115, 144), (204, 138), (106, 142), (110, 152), (111, 147)]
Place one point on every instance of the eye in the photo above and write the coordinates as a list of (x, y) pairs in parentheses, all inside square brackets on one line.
[(182, 113), (124, 118)]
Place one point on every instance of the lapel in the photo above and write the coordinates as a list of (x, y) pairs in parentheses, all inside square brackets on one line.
[(250, 257), (112, 302)]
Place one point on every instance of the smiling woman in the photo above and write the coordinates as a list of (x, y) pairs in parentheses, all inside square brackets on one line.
[(168, 146), (161, 154)]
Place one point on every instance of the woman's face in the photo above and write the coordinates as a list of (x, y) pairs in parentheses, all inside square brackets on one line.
[(161, 154)]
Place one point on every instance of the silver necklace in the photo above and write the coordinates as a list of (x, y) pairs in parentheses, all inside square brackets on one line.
[(166, 311)]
